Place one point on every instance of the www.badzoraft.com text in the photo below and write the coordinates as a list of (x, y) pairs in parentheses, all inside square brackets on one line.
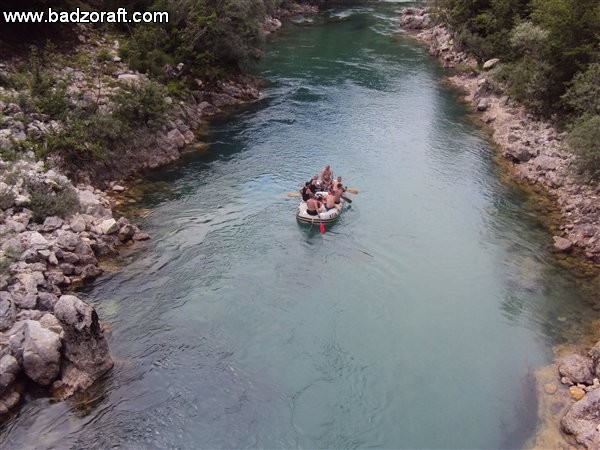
[(121, 15)]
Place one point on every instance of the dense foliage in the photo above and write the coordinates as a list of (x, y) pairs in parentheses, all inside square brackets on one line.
[(205, 35), (550, 51)]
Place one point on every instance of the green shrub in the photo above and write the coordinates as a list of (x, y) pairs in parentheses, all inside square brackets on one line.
[(103, 56), (74, 143), (584, 140), (53, 102), (141, 103), (52, 200), (583, 94)]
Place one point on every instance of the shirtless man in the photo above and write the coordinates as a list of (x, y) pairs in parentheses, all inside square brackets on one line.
[(326, 176), (330, 201), (338, 190), (313, 206)]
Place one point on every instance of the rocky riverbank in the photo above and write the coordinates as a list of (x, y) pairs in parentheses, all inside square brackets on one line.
[(48, 335), (570, 398), (54, 230), (534, 148)]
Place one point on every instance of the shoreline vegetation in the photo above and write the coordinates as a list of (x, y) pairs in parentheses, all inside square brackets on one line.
[(537, 155), (109, 103)]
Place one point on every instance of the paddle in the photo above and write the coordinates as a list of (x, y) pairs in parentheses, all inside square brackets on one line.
[(346, 199), (293, 194), (352, 191)]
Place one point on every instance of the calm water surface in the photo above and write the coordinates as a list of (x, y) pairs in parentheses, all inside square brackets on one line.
[(414, 322)]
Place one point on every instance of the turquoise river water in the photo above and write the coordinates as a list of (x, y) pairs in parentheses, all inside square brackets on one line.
[(415, 321)]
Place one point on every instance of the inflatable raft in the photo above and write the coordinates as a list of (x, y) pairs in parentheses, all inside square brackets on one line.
[(323, 217)]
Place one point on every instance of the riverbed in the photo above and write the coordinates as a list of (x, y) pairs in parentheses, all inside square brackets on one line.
[(415, 321)]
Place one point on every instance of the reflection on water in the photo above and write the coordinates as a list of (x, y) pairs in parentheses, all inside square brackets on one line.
[(415, 321)]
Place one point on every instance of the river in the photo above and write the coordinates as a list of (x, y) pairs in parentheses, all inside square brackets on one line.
[(415, 321)]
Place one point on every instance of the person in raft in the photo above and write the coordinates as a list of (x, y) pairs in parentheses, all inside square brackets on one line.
[(313, 206), (326, 177), (314, 184), (306, 191), (337, 191), (330, 201)]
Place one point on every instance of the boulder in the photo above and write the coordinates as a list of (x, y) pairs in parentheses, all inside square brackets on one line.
[(131, 78), (46, 301), (562, 244), (29, 314), (31, 281), (87, 200), (9, 369), (176, 138), (582, 420), (576, 368), (13, 247), (78, 224), (41, 355), (25, 300), (109, 226), (90, 272), (483, 104), (67, 240), (50, 322), (83, 344), (490, 63), (519, 154), (7, 311), (126, 233), (52, 223)]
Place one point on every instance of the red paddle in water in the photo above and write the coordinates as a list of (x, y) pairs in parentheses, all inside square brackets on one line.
[(322, 228)]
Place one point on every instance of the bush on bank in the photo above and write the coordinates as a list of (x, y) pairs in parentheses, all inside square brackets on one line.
[(550, 53)]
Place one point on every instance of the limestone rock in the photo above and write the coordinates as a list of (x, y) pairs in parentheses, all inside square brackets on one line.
[(67, 240), (490, 63), (83, 343), (41, 355), (583, 418), (519, 153), (109, 226), (562, 244), (7, 311), (126, 233), (78, 224), (483, 104), (131, 78), (88, 200), (175, 137), (9, 369), (577, 368), (46, 301), (52, 223)]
